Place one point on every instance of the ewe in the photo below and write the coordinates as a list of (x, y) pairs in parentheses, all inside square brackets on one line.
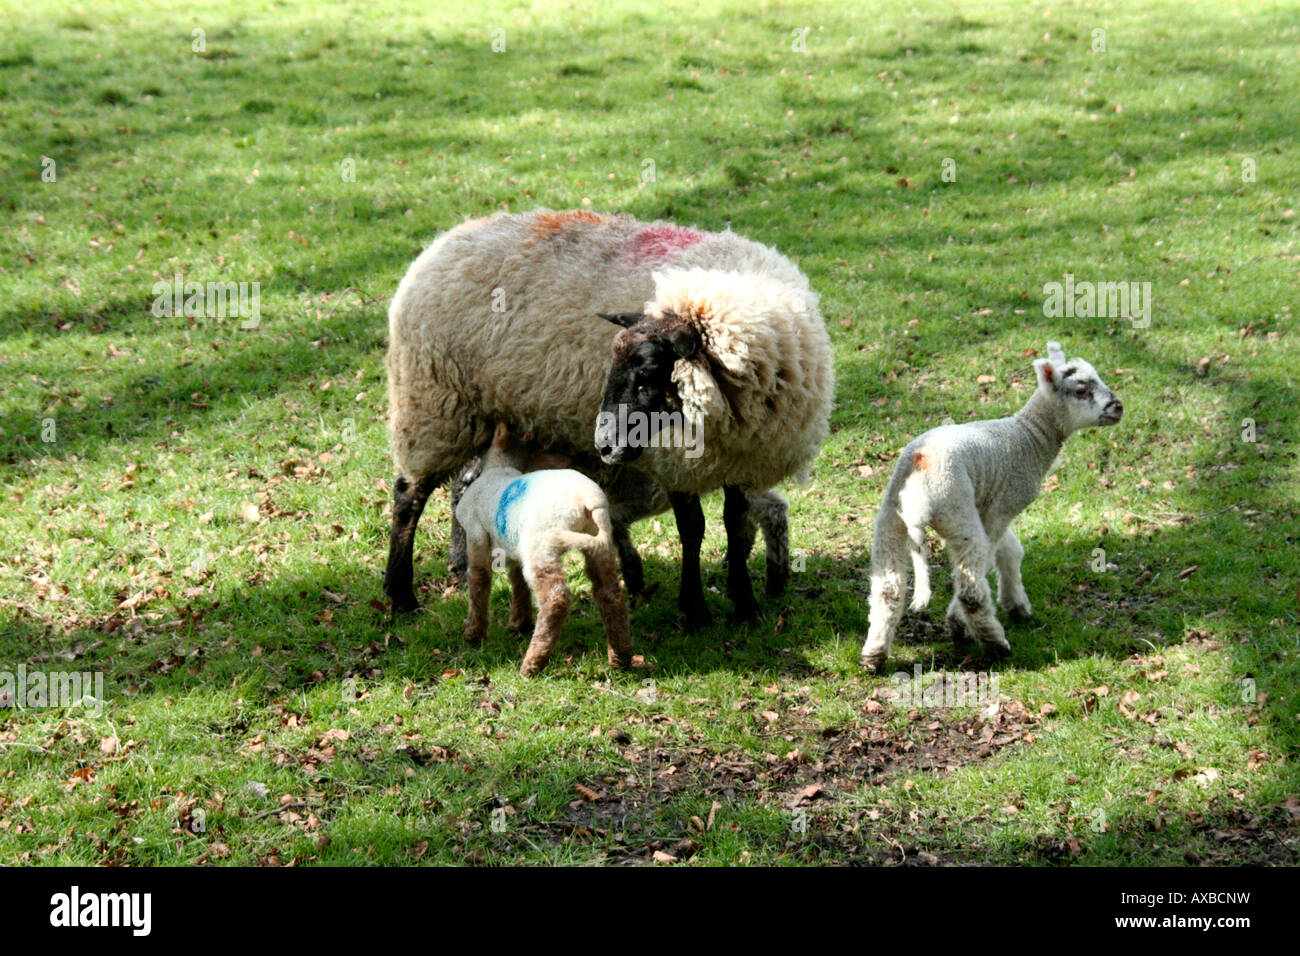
[(968, 482), (499, 321)]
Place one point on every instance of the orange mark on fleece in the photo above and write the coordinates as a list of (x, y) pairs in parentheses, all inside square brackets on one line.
[(660, 242), (549, 224), (920, 462)]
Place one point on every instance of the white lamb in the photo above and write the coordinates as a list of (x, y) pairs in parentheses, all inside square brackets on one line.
[(534, 519), (969, 482)]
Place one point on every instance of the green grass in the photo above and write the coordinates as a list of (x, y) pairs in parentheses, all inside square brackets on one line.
[(207, 527)]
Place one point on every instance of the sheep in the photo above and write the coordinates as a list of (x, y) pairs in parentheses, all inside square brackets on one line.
[(533, 519), (739, 359), (499, 320), (969, 482)]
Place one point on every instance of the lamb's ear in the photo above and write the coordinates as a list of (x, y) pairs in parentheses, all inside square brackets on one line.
[(1048, 377), (685, 340), (1055, 353), (624, 319)]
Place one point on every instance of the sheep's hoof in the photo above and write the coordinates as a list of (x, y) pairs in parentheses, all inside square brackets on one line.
[(745, 613), (473, 637), (405, 604), (697, 618), (524, 626), (776, 582)]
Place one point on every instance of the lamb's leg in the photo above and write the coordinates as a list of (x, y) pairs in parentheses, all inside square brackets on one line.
[(972, 560), (690, 529), (735, 517), (1011, 590), (888, 584), (603, 576), (521, 599), (480, 587), (457, 555), (770, 511), (553, 601), (409, 498)]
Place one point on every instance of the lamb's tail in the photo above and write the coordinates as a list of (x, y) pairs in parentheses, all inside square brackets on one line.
[(602, 542)]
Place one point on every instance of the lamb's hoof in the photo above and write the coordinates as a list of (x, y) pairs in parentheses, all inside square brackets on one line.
[(473, 637), (872, 662), (1019, 612), (521, 627), (957, 631), (531, 668), (996, 649)]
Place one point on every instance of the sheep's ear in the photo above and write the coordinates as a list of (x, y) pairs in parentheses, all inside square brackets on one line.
[(501, 437), (1055, 353), (1047, 374), (624, 319), (685, 340)]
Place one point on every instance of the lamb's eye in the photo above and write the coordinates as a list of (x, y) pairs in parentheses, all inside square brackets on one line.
[(1081, 391)]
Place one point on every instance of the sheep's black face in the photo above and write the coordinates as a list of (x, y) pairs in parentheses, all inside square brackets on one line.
[(640, 395)]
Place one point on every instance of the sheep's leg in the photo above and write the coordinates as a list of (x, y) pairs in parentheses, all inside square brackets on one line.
[(690, 529), (771, 511), (480, 586), (603, 576), (735, 518), (521, 599), (628, 557), (409, 498), (1011, 589), (553, 600), (972, 560), (888, 584)]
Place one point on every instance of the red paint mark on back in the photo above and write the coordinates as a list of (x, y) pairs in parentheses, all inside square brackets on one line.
[(549, 224), (661, 242)]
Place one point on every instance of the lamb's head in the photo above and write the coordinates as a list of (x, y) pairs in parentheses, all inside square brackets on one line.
[(641, 394), (1079, 397)]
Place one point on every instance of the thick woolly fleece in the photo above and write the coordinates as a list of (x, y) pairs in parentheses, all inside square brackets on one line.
[(498, 320)]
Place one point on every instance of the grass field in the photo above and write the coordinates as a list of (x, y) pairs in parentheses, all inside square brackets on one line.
[(198, 511)]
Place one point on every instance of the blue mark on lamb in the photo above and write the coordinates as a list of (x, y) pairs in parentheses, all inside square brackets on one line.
[(513, 492)]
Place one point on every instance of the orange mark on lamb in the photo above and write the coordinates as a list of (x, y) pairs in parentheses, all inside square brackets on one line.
[(549, 224), (920, 462)]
